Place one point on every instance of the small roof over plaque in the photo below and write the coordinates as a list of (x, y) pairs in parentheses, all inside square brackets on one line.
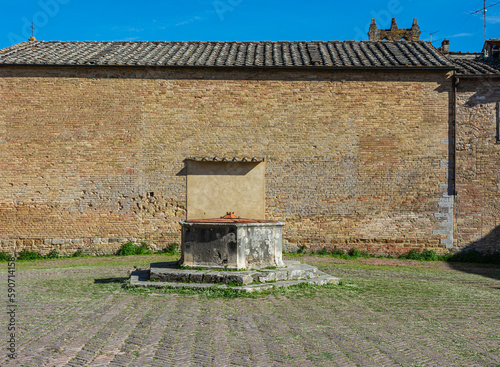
[(226, 159), (230, 218)]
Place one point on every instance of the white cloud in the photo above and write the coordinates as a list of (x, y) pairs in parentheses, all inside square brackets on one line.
[(494, 19), (126, 29), (461, 35), (192, 20)]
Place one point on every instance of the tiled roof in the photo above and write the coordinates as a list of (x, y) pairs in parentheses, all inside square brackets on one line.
[(474, 64), (336, 54)]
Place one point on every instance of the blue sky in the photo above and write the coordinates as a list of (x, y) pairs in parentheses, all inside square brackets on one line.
[(243, 20)]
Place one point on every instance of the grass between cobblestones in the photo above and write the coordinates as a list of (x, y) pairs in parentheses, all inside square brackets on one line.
[(386, 312)]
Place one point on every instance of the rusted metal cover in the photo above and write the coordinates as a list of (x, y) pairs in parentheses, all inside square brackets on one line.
[(230, 217), (226, 159)]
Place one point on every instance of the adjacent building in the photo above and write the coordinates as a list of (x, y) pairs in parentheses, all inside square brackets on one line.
[(477, 90)]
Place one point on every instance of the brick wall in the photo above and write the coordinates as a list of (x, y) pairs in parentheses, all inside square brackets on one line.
[(92, 157), (478, 170)]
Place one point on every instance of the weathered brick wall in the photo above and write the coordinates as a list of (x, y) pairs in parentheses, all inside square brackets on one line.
[(478, 164), (93, 157)]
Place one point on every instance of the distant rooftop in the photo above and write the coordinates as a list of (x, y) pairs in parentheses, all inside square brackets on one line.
[(474, 64), (485, 63), (298, 54)]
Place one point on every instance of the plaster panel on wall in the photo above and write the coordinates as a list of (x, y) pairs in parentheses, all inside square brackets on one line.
[(214, 188)]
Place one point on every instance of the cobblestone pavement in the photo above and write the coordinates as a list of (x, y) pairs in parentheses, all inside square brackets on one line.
[(393, 313)]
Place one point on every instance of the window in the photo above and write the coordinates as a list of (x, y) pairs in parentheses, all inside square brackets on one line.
[(495, 51)]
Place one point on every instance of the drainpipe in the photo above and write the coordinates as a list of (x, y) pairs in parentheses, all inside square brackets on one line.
[(456, 205), (456, 81)]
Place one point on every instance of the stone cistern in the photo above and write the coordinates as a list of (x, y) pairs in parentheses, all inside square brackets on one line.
[(231, 242), (230, 252)]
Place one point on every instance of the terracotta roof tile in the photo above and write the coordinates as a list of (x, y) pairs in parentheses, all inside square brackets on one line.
[(475, 66), (336, 54)]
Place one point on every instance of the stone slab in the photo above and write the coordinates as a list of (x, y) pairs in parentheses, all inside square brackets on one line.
[(135, 280), (170, 272), (169, 275)]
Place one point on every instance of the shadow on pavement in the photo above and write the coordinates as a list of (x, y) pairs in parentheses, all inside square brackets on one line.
[(482, 256), (110, 280)]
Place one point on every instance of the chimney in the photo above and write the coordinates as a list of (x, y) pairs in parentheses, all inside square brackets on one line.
[(445, 46), (394, 25), (415, 30), (373, 31)]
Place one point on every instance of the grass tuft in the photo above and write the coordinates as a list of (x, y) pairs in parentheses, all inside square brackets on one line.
[(130, 248), (302, 249), (78, 253), (341, 254), (470, 256), (426, 255), (29, 255), (171, 249), (53, 254), (5, 256)]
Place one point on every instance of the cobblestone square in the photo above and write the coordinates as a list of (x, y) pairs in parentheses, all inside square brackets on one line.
[(75, 312)]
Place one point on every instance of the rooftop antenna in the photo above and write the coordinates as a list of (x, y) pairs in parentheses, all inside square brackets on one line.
[(483, 10), (432, 34)]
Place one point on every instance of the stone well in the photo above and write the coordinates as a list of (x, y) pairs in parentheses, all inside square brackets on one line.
[(231, 242), (249, 248)]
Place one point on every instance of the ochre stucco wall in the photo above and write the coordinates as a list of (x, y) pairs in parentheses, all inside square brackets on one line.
[(92, 157)]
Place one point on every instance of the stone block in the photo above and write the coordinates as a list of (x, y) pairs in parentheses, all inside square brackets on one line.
[(266, 276), (213, 277), (238, 278), (281, 275), (196, 277), (235, 245)]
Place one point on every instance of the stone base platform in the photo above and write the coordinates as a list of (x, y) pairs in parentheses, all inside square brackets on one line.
[(168, 274)]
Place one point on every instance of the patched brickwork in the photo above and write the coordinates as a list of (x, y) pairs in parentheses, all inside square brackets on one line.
[(478, 157), (95, 155)]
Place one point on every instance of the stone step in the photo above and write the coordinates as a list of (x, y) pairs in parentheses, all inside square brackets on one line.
[(139, 278), (169, 272)]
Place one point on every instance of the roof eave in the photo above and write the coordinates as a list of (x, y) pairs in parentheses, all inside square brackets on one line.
[(245, 67), (473, 76)]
